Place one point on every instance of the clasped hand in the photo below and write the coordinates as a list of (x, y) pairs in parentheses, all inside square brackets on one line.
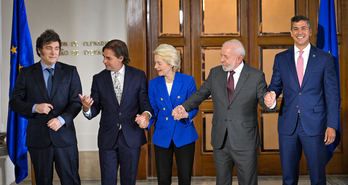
[(270, 99), (179, 112), (142, 120)]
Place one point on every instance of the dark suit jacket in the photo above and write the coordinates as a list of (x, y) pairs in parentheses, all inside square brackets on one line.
[(134, 101), (30, 89), (317, 98), (181, 132), (239, 116)]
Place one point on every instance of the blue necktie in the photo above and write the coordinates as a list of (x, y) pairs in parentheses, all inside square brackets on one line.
[(49, 81)]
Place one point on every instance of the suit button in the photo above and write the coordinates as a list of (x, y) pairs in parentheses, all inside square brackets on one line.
[(297, 106), (164, 108), (161, 99), (166, 118), (119, 113), (178, 97)]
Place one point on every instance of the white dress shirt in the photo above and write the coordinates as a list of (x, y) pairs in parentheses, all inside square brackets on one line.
[(236, 74)]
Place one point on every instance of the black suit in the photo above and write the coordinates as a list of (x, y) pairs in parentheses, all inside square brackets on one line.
[(46, 145), (120, 147)]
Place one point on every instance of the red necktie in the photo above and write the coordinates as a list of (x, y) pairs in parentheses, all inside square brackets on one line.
[(230, 85), (299, 68)]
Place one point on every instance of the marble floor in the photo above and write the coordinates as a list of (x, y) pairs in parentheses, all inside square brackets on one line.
[(263, 180)]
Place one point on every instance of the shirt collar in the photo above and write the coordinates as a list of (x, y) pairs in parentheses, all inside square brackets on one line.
[(122, 70), (239, 68), (44, 67), (306, 49)]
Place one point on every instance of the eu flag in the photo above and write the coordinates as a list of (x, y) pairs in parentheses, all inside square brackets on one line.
[(327, 41), (21, 56)]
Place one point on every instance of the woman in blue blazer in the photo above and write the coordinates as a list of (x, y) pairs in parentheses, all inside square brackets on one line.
[(170, 89)]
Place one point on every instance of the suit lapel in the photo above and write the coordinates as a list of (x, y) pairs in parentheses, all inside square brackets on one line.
[(241, 81), (109, 86), (38, 75), (57, 78), (292, 64), (222, 77), (310, 65), (176, 88), (127, 81), (163, 92)]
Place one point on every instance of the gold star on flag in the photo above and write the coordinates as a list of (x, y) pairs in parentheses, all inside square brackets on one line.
[(19, 67), (14, 50)]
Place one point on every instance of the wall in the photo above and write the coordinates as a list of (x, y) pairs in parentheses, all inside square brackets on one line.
[(74, 20)]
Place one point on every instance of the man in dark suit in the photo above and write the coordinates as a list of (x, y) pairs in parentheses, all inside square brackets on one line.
[(236, 89), (308, 115), (47, 92), (120, 93)]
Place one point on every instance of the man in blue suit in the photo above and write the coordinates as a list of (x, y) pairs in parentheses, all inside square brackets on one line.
[(120, 93), (47, 92), (308, 116)]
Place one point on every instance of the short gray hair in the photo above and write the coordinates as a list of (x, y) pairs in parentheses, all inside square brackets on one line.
[(238, 48)]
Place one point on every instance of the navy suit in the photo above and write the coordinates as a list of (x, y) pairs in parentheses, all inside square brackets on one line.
[(172, 136), (30, 89), (110, 138), (305, 111)]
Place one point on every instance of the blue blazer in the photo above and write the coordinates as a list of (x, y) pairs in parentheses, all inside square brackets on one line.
[(181, 132), (134, 101), (317, 98)]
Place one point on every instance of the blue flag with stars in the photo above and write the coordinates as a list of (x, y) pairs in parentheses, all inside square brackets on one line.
[(327, 41), (21, 56)]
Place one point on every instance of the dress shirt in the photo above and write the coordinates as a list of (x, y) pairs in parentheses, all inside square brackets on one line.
[(236, 75), (169, 87), (305, 56), (45, 75)]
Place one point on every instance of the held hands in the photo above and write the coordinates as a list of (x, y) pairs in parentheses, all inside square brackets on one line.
[(330, 135), (54, 124), (86, 101), (270, 99), (179, 112), (43, 108), (142, 120)]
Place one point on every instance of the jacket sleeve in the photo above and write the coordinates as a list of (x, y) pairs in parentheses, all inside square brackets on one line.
[(192, 88), (18, 97), (74, 104), (200, 95), (152, 95)]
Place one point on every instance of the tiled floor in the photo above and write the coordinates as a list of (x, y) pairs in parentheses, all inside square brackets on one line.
[(263, 180)]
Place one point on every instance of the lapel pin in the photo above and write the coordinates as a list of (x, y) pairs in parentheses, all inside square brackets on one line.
[(313, 55), (178, 97)]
